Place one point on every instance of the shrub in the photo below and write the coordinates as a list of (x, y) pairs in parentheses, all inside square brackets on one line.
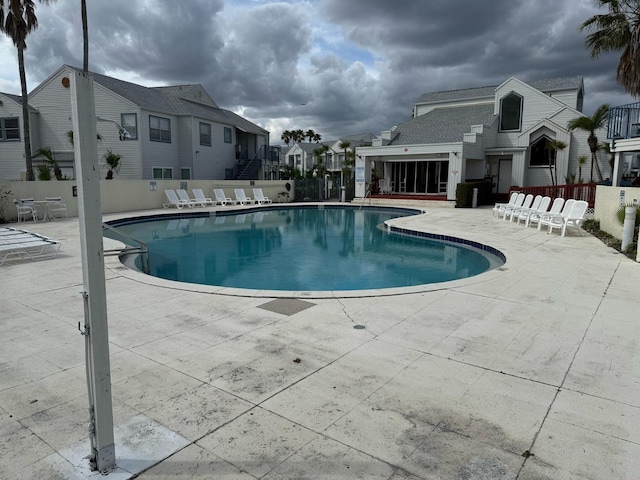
[(464, 193)]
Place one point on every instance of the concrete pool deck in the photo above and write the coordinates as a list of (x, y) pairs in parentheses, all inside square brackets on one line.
[(529, 372)]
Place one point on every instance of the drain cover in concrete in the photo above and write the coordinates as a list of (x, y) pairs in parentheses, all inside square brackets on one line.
[(286, 306)]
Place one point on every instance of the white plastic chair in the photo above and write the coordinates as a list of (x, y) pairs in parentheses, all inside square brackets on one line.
[(184, 198), (200, 199), (574, 218), (542, 207), (55, 207), (241, 197), (259, 197), (514, 211), (25, 210), (174, 201), (556, 207), (512, 201), (549, 217), (221, 198), (506, 209)]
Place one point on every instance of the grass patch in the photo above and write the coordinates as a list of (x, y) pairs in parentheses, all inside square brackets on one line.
[(593, 227)]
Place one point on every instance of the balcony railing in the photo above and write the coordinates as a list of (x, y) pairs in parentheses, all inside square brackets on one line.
[(624, 121), (577, 191)]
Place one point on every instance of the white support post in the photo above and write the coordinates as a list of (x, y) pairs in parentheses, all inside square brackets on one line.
[(102, 456)]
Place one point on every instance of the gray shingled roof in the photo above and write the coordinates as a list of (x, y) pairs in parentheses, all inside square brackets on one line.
[(15, 98), (547, 85), (442, 125), (167, 100)]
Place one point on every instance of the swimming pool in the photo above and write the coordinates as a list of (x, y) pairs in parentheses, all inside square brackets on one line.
[(302, 248)]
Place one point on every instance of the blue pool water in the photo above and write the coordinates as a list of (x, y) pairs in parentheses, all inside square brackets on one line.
[(301, 249)]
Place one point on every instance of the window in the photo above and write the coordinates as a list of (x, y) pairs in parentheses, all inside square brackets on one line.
[(129, 122), (205, 134), (9, 129), (159, 129), (539, 154), (227, 135), (185, 174), (162, 172), (291, 160), (511, 112)]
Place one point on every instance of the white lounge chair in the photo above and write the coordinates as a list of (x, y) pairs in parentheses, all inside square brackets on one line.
[(515, 211), (512, 201), (184, 198), (383, 187), (25, 211), (241, 197), (556, 207), (547, 218), (200, 199), (26, 245), (55, 207), (174, 201), (259, 198), (506, 209), (574, 218), (541, 207), (221, 198)]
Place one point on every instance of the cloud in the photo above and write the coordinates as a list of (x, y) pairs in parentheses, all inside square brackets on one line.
[(357, 66)]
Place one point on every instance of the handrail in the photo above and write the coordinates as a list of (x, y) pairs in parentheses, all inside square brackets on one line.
[(142, 249)]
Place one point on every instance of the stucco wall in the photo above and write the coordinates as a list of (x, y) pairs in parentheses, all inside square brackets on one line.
[(608, 201), (129, 195)]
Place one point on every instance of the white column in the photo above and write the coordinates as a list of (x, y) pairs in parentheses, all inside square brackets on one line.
[(102, 456), (616, 176)]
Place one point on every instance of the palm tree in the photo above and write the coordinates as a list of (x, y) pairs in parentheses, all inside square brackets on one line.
[(309, 134), (298, 135), (591, 124), (112, 162), (317, 137), (17, 22), (553, 147), (614, 31), (286, 137)]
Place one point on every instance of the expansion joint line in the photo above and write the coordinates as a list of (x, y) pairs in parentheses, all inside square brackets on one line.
[(529, 453)]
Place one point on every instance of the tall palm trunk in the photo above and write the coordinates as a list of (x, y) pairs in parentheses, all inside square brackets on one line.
[(593, 146), (25, 115)]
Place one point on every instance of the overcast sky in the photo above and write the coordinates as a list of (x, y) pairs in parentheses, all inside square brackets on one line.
[(340, 67)]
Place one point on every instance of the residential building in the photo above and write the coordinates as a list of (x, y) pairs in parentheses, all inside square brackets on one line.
[(497, 132), (161, 132)]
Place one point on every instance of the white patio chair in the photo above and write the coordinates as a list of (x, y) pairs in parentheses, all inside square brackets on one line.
[(184, 198), (55, 207), (383, 187), (200, 199), (528, 201), (549, 217), (541, 207), (506, 209), (259, 197), (241, 197), (574, 218), (26, 208), (512, 201), (556, 207), (221, 198), (173, 199)]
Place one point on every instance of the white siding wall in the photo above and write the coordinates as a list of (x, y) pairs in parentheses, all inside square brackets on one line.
[(53, 101), (12, 161), (158, 154), (111, 107), (188, 130), (568, 97)]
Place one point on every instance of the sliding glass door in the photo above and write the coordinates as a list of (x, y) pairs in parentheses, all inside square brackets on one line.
[(420, 177)]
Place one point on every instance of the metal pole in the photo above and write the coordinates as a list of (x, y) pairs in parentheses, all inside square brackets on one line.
[(102, 456)]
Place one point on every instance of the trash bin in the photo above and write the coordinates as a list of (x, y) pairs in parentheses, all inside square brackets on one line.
[(343, 193)]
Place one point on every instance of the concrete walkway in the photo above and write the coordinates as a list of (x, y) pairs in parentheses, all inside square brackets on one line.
[(528, 372)]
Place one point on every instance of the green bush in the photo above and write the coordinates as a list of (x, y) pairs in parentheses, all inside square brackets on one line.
[(464, 193)]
